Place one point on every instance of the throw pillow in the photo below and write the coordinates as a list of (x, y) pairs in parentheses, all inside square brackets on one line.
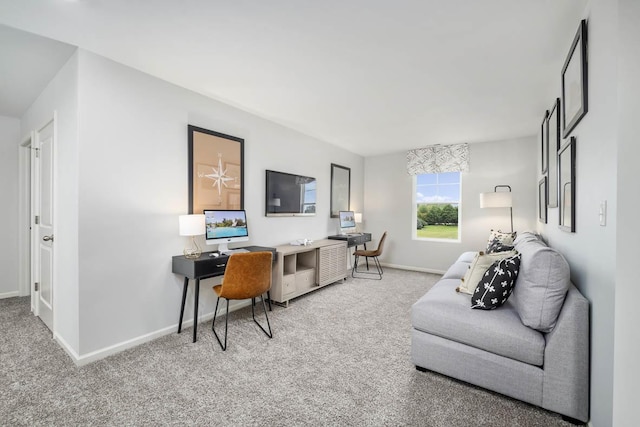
[(504, 238), (498, 246), (496, 285), (477, 269)]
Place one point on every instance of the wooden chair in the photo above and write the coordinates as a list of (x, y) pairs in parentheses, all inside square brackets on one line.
[(247, 275), (369, 254)]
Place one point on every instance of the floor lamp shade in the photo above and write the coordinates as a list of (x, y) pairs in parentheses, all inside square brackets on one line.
[(500, 199), (192, 225)]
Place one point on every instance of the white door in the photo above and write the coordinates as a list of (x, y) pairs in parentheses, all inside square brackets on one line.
[(43, 231)]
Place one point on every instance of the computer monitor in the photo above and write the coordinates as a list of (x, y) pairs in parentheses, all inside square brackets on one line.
[(224, 227), (347, 221)]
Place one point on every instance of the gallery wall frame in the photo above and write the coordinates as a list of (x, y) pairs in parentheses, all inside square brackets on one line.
[(544, 142), (216, 170), (340, 189), (542, 200), (553, 126), (567, 186), (574, 82)]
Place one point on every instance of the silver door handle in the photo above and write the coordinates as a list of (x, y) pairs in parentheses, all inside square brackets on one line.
[(48, 238)]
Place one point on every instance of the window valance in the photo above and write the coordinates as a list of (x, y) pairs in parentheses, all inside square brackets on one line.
[(438, 159)]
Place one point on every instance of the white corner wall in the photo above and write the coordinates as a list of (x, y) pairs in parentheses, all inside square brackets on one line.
[(591, 250), (627, 316), (133, 185), (389, 202), (9, 142), (60, 97)]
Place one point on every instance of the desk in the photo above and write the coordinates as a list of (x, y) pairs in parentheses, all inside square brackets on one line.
[(200, 268), (356, 239)]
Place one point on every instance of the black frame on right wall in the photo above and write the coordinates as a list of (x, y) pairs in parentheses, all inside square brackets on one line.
[(567, 186)]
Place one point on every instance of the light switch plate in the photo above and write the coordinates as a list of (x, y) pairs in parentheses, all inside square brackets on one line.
[(603, 213)]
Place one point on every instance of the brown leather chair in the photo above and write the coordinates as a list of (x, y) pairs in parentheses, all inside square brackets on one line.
[(247, 275), (369, 254)]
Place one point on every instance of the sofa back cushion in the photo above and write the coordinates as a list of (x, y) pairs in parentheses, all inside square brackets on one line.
[(542, 284)]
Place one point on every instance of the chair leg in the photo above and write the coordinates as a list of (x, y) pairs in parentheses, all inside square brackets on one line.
[(378, 271), (226, 325), (355, 265), (253, 314)]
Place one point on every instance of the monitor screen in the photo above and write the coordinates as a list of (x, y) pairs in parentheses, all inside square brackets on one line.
[(289, 195), (347, 219), (224, 226)]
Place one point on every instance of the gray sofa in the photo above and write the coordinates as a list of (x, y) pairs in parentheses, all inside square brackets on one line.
[(534, 348)]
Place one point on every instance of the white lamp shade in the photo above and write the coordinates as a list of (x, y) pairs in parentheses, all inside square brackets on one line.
[(191, 225), (274, 201), (358, 216), (498, 199)]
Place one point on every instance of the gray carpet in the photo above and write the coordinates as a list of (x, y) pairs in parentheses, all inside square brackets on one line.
[(339, 356)]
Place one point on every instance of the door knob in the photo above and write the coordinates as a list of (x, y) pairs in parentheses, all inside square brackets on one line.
[(48, 238)]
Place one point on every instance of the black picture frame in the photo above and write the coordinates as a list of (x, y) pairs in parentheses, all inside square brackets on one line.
[(544, 143), (553, 126), (340, 189), (216, 170), (574, 82), (567, 186), (542, 200)]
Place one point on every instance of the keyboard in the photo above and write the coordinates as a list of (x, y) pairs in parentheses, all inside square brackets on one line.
[(235, 251), (354, 234)]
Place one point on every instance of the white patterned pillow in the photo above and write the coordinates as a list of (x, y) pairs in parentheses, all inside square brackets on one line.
[(496, 284), (506, 239), (478, 267)]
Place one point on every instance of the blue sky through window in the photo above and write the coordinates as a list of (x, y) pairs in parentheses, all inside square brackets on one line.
[(438, 188)]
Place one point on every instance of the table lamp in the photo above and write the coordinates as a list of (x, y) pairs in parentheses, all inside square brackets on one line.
[(192, 225), (358, 218)]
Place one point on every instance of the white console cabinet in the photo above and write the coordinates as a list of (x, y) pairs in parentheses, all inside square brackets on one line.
[(302, 269)]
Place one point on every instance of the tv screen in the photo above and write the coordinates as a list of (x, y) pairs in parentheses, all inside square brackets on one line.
[(289, 195)]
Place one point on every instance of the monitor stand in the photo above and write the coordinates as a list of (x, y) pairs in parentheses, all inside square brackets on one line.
[(223, 248)]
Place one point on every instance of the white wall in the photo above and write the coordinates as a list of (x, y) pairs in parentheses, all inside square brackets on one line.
[(133, 186), (388, 202), (591, 250), (627, 316), (60, 97), (9, 141)]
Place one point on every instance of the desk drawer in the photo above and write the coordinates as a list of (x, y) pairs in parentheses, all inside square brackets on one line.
[(288, 284), (306, 279)]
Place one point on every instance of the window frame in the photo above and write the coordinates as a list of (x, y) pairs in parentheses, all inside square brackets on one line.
[(414, 216)]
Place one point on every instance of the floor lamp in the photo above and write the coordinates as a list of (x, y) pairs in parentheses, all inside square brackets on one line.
[(498, 199)]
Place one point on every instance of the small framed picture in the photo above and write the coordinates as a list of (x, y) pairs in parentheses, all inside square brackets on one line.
[(554, 145), (544, 142), (574, 82), (567, 187), (542, 200)]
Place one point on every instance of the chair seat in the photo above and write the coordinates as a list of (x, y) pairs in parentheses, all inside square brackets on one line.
[(363, 252)]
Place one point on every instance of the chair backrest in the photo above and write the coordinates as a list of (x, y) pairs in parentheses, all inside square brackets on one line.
[(247, 275), (378, 251)]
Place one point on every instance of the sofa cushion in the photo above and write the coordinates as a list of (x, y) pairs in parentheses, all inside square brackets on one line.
[(496, 285), (498, 246), (541, 285), (446, 313), (477, 268), (460, 267)]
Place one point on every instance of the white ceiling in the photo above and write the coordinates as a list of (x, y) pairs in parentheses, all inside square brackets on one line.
[(372, 76)]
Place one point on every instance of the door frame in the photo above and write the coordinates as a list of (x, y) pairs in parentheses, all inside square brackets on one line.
[(28, 232)]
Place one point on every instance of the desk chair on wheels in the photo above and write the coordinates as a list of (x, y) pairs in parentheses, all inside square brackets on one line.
[(375, 253), (247, 275)]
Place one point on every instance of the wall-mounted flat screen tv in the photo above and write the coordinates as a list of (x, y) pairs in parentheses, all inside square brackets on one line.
[(289, 195)]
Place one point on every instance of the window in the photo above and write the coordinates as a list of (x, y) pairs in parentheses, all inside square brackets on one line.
[(437, 204)]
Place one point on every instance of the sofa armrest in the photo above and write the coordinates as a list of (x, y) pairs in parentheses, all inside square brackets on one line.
[(565, 386)]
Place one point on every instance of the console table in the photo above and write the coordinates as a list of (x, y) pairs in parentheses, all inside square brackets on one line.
[(204, 267), (355, 239), (303, 269)]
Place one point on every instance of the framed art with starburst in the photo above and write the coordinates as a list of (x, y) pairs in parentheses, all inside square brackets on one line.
[(215, 170)]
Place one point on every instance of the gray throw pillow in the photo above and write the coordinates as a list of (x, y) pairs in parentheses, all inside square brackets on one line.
[(541, 286)]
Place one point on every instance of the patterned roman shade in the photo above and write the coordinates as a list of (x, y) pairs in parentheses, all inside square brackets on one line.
[(438, 158)]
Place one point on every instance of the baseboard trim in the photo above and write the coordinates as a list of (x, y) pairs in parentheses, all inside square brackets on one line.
[(85, 359), (412, 268), (10, 294)]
